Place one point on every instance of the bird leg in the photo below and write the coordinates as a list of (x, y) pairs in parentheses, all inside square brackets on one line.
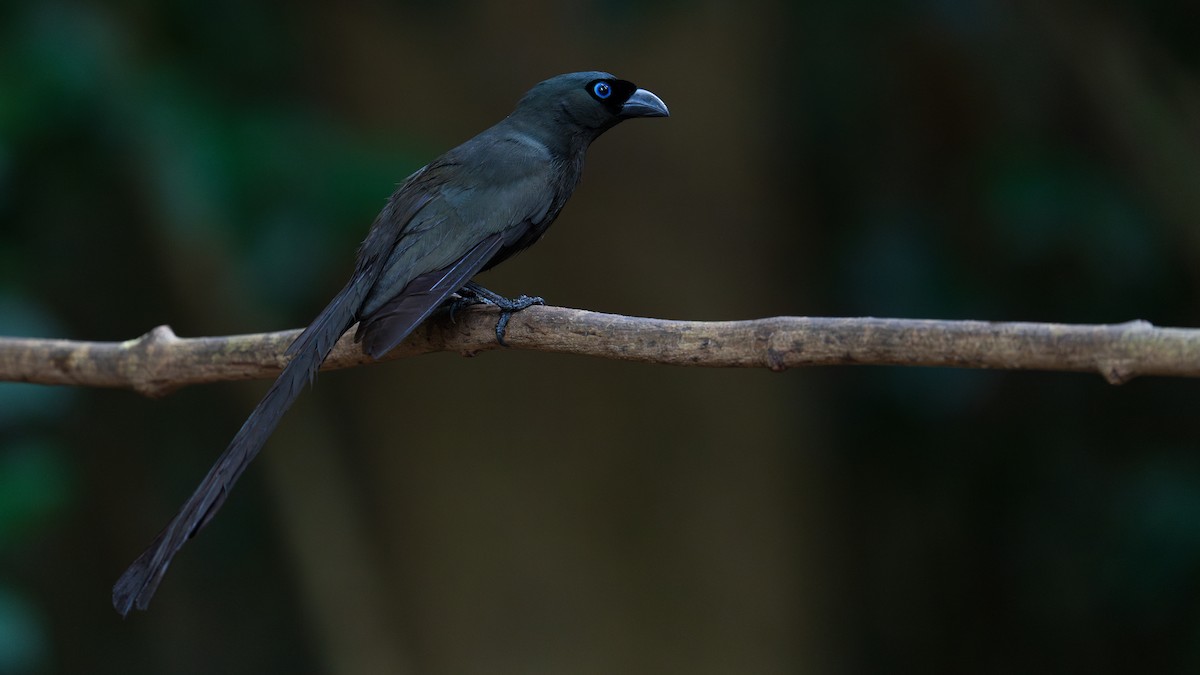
[(474, 294)]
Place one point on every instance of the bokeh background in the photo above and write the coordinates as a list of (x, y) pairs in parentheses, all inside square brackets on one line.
[(213, 166)]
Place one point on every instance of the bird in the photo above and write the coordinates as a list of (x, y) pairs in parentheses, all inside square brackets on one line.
[(466, 211)]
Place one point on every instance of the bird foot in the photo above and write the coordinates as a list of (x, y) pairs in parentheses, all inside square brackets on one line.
[(474, 294)]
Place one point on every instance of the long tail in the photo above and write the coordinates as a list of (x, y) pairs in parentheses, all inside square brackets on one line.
[(137, 585)]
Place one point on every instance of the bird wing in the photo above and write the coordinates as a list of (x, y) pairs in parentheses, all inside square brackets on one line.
[(474, 215), (387, 326)]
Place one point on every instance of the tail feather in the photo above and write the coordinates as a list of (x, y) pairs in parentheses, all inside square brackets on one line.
[(137, 585)]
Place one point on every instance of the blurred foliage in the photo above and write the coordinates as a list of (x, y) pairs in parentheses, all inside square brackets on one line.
[(213, 166), (34, 484)]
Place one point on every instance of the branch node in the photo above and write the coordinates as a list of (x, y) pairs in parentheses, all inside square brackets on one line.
[(1117, 372), (1138, 325), (776, 360), (146, 359)]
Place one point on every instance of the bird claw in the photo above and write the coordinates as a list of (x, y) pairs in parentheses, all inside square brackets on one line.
[(474, 294), (459, 303), (515, 305)]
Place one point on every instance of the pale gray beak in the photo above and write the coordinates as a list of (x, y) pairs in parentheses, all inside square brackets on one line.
[(644, 103)]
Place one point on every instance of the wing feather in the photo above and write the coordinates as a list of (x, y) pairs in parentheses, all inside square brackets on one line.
[(387, 326)]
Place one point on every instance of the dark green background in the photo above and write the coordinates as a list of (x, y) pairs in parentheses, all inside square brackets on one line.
[(213, 166)]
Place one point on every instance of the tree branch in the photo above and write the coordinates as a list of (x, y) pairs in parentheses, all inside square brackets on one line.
[(159, 362)]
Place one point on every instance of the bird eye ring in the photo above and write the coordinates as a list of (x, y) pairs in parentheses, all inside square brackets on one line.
[(602, 90)]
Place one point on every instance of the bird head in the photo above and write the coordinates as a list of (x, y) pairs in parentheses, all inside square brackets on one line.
[(587, 104)]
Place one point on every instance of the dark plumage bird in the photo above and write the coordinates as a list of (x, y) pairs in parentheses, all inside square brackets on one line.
[(464, 212)]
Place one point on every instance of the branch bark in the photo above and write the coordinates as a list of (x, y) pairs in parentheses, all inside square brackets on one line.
[(158, 362)]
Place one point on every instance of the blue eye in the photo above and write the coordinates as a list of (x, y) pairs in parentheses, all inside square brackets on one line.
[(602, 90)]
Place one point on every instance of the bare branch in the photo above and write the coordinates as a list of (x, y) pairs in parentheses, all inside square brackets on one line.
[(159, 362)]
